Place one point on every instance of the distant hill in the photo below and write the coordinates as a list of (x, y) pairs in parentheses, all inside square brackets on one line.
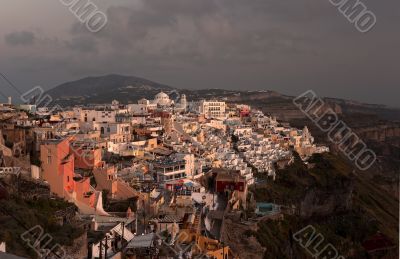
[(103, 89), (129, 89)]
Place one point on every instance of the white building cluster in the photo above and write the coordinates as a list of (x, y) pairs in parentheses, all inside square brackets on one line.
[(196, 136), (261, 152), (169, 156)]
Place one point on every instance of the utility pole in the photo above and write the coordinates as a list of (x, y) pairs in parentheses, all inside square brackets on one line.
[(100, 252), (106, 247), (213, 199), (144, 217), (123, 228), (136, 222), (18, 178)]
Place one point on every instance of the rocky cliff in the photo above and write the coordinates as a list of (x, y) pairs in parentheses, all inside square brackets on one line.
[(344, 204), (381, 133), (323, 203)]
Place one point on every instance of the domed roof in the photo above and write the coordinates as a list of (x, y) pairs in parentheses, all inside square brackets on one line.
[(162, 95)]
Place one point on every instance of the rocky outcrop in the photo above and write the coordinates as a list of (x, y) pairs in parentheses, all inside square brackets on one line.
[(319, 202), (233, 233), (379, 133), (77, 250)]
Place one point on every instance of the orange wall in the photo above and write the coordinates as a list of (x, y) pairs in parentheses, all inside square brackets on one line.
[(105, 179), (59, 172), (58, 166), (87, 159)]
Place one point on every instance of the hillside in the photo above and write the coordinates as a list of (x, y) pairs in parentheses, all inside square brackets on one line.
[(341, 203), (34, 206), (129, 89), (104, 89)]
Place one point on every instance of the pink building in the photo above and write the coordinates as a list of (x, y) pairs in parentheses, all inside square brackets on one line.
[(58, 164), (87, 155)]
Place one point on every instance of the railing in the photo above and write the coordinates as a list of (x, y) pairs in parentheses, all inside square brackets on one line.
[(67, 211)]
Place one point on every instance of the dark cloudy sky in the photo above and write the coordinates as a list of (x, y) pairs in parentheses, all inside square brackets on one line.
[(285, 45)]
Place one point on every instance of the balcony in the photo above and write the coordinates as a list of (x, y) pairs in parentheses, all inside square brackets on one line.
[(88, 194)]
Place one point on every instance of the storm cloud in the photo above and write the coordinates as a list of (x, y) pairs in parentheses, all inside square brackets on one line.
[(20, 38), (289, 46)]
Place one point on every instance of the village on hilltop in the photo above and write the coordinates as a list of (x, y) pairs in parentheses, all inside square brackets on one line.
[(152, 179)]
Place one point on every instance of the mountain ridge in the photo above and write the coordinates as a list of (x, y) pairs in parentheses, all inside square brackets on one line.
[(102, 89), (129, 89)]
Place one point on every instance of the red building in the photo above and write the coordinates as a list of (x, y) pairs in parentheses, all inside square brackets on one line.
[(232, 185), (229, 180)]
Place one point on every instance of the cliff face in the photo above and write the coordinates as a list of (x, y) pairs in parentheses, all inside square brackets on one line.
[(234, 234), (381, 133), (322, 203), (384, 140), (381, 136), (344, 205)]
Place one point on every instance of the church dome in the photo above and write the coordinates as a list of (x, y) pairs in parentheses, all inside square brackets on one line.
[(162, 95), (162, 98)]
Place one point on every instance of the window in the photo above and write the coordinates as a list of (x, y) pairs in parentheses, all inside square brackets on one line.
[(48, 159), (68, 179)]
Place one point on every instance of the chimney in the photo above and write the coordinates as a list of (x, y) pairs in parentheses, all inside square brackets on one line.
[(9, 100), (3, 247), (93, 224)]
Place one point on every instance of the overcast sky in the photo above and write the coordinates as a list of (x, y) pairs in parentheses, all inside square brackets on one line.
[(285, 45)]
